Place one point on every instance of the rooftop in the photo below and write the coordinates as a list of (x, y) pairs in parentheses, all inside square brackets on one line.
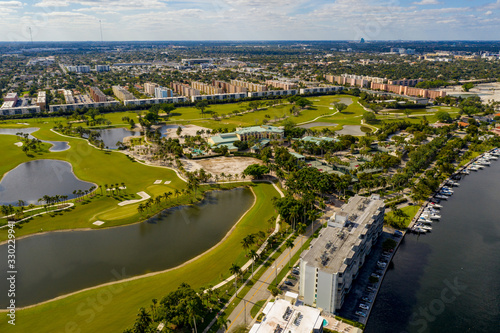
[(262, 129), (282, 317), (334, 244)]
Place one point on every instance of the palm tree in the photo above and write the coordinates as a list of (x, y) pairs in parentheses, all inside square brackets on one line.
[(100, 187), (289, 245), (223, 323), (191, 309), (255, 256), (236, 271), (106, 186), (177, 192)]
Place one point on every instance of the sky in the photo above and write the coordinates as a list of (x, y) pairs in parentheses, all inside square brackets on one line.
[(122, 20)]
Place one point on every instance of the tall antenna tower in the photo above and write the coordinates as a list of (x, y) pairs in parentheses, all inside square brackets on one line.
[(100, 26), (31, 36)]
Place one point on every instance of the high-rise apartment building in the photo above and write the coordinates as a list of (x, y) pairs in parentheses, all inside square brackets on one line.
[(249, 85), (122, 93), (206, 88), (149, 88), (332, 262), (97, 95), (184, 90)]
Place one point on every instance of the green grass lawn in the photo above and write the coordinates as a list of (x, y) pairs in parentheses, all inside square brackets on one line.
[(117, 306), (410, 211)]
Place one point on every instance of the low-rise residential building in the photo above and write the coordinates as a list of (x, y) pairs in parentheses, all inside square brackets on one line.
[(281, 316), (218, 97), (261, 134), (332, 262), (149, 101), (408, 91), (320, 90), (7, 110), (76, 106)]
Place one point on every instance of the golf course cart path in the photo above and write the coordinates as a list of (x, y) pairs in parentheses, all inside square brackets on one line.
[(142, 194)]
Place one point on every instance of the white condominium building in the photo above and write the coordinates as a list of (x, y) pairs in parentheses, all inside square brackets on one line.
[(329, 266)]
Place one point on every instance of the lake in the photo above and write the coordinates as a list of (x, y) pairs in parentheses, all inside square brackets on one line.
[(57, 263)]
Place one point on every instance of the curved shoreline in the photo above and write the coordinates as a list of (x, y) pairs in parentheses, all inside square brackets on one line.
[(226, 236)]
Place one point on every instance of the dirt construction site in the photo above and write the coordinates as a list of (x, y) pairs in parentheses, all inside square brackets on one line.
[(219, 165)]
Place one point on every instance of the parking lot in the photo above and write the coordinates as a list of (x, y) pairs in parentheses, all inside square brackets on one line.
[(359, 301)]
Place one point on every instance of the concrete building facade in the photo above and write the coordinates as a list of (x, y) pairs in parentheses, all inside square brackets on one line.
[(332, 262), (184, 90), (161, 92), (97, 95), (41, 100), (249, 85), (206, 88), (408, 91), (229, 88), (149, 88), (281, 84), (122, 93)]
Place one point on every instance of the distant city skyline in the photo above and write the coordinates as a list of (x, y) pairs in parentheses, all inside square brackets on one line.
[(73, 20)]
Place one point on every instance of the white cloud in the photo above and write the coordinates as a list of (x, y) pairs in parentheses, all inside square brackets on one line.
[(489, 12), (427, 2), (10, 5), (52, 3)]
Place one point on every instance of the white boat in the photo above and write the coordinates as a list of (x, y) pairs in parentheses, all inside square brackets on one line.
[(431, 216), (425, 227), (465, 172), (447, 189), (423, 219), (435, 205), (473, 168), (484, 162), (492, 157), (495, 152), (441, 197), (419, 230)]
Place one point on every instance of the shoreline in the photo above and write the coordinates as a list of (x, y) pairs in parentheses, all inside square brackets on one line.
[(413, 221), (226, 236)]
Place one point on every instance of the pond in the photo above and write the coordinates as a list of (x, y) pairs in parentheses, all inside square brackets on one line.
[(110, 136), (57, 263), (56, 145), (32, 180)]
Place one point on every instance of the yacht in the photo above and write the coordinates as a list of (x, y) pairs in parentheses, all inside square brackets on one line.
[(434, 205), (425, 227), (431, 216), (423, 219), (447, 189), (465, 172), (474, 168), (484, 162), (419, 230), (441, 197)]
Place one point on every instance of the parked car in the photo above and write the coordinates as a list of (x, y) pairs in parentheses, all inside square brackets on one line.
[(364, 306), (296, 272), (376, 275), (361, 313), (288, 283), (381, 264), (370, 288), (366, 299)]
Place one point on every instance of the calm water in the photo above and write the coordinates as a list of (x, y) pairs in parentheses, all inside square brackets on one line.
[(32, 180), (57, 263), (56, 145), (111, 136), (448, 280)]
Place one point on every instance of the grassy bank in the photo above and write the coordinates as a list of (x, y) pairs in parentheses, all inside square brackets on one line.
[(116, 306)]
